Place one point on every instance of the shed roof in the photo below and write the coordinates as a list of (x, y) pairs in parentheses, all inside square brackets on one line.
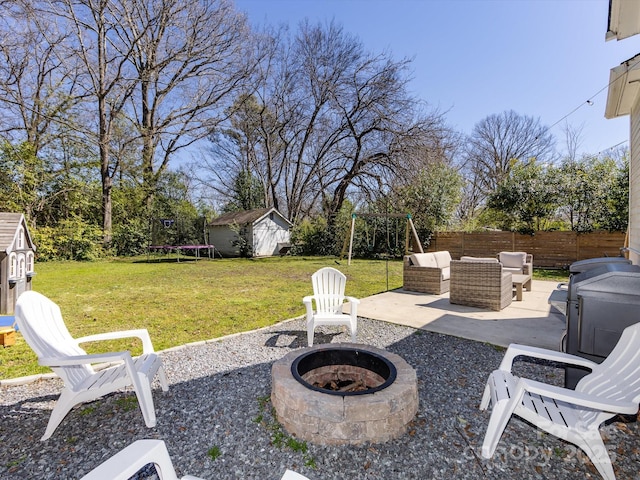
[(9, 223), (245, 216)]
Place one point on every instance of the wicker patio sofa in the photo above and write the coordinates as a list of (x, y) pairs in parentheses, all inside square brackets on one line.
[(480, 282), (427, 272), (516, 262)]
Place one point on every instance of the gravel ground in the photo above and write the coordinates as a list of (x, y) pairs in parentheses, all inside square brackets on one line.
[(217, 399)]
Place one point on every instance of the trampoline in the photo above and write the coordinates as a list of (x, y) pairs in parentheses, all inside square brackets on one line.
[(178, 249)]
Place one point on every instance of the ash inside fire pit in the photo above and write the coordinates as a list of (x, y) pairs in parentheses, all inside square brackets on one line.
[(344, 371)]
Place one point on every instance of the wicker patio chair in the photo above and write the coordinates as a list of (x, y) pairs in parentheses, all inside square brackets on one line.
[(480, 283), (426, 272), (516, 262)]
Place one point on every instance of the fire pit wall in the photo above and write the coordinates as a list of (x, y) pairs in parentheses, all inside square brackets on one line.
[(328, 419)]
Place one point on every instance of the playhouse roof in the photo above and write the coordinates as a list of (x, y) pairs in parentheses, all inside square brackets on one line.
[(245, 216), (9, 223)]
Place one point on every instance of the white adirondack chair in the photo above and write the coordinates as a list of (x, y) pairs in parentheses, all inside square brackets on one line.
[(40, 322), (612, 387), (130, 460), (291, 475), (328, 296)]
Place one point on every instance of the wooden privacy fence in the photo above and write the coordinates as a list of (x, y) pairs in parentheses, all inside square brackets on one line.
[(549, 249)]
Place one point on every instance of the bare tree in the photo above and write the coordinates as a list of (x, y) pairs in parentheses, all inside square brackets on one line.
[(190, 60), (37, 88), (39, 96), (270, 134), (386, 135), (369, 130), (105, 81), (573, 140), (495, 143), (164, 67), (245, 150), (327, 120)]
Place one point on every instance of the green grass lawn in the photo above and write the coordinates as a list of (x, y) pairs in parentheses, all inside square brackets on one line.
[(184, 302), (556, 275), (188, 301)]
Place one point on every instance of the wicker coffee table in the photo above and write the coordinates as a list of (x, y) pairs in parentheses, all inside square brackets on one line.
[(520, 282)]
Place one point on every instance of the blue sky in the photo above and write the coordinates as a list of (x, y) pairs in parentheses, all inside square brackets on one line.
[(473, 58)]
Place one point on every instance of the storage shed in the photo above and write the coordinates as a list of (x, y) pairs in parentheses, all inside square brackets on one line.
[(17, 260), (266, 231)]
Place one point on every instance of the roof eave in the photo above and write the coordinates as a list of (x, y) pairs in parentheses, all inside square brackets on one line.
[(273, 210), (624, 19), (624, 85)]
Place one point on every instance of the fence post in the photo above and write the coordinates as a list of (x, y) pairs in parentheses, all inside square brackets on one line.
[(577, 246)]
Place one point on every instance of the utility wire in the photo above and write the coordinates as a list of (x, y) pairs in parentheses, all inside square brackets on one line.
[(614, 146), (589, 101)]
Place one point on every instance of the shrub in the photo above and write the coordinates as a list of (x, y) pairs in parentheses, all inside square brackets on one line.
[(313, 237), (130, 238), (70, 239), (43, 237)]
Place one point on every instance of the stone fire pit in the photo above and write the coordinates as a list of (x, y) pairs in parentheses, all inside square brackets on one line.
[(344, 393)]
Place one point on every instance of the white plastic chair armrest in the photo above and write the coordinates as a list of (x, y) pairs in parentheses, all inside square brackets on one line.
[(308, 303), (141, 333), (291, 475), (353, 300), (85, 359), (353, 307), (516, 350), (128, 461), (578, 398)]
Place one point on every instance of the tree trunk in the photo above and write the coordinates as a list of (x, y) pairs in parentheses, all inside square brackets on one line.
[(107, 225)]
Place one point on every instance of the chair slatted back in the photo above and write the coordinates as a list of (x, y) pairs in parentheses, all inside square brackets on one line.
[(41, 324), (618, 376), (328, 289)]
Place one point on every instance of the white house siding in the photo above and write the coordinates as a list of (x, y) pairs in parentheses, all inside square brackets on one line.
[(267, 233), (265, 229), (623, 98), (222, 238), (634, 183)]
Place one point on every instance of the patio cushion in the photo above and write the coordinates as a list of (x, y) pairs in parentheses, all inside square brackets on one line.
[(443, 259), (513, 259), (446, 273), (517, 271), (479, 259), (424, 260)]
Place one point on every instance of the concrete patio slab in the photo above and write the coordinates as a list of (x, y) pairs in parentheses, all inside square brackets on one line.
[(531, 321)]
